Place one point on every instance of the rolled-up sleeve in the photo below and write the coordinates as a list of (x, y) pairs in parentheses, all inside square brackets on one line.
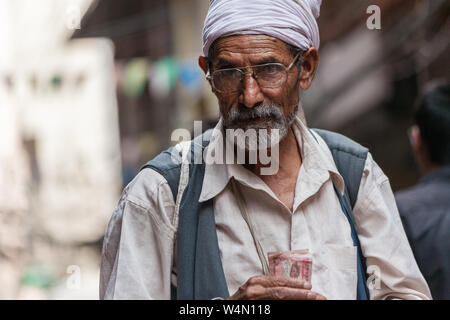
[(138, 246), (383, 240)]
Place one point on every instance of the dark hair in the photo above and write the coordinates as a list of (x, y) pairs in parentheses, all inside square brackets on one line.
[(432, 115)]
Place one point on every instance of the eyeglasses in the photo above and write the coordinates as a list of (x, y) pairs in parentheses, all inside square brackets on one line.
[(268, 75)]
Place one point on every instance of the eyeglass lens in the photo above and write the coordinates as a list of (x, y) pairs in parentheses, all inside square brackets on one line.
[(270, 75)]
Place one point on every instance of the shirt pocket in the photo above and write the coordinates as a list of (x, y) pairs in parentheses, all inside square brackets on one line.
[(341, 257), (337, 271)]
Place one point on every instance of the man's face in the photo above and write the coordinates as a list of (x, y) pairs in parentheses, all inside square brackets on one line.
[(253, 106)]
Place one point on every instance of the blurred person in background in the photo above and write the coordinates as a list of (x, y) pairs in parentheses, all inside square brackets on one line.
[(425, 208), (202, 231)]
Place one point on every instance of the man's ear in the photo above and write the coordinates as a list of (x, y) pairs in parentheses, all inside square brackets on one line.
[(415, 139), (420, 150), (203, 63), (310, 61)]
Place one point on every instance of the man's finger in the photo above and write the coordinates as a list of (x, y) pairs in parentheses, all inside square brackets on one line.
[(279, 281), (286, 293)]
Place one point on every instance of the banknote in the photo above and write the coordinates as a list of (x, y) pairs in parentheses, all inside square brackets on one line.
[(296, 264)]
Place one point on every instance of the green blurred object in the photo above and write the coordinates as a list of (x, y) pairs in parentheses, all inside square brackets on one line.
[(135, 77), (56, 81), (37, 276), (163, 76), (171, 67)]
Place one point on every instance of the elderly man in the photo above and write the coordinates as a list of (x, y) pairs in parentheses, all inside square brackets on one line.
[(204, 230)]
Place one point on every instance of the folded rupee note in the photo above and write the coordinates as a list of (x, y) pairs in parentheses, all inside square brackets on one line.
[(296, 264)]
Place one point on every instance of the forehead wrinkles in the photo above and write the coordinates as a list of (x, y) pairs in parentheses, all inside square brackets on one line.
[(247, 46)]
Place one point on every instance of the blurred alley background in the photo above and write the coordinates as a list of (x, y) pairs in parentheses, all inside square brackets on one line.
[(90, 90)]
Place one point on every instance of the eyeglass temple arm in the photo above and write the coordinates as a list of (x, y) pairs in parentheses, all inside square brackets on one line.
[(295, 59)]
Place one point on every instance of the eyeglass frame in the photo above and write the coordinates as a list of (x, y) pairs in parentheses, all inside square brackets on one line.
[(209, 77)]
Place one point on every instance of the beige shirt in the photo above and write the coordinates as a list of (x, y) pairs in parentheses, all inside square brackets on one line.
[(139, 260)]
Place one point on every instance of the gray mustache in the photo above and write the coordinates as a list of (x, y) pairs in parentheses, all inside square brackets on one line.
[(243, 113)]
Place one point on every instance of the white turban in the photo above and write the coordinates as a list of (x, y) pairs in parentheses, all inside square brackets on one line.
[(292, 21)]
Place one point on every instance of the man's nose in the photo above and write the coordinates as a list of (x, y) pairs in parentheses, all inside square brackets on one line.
[(251, 95)]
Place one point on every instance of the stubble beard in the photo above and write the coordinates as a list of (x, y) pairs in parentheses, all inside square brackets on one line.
[(242, 118)]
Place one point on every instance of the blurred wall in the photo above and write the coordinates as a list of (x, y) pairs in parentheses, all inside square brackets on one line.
[(62, 170)]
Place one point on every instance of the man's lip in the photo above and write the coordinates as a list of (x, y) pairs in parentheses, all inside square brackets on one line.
[(253, 120)]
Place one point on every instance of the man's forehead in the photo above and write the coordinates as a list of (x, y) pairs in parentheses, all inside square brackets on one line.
[(254, 45)]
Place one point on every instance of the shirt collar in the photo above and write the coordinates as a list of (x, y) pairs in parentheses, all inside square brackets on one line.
[(316, 155), (317, 162)]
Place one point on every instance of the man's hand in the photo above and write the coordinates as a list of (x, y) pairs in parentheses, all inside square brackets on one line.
[(275, 288)]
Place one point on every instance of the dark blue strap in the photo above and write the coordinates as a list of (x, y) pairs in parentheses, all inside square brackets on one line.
[(201, 276), (200, 273), (362, 293), (349, 158)]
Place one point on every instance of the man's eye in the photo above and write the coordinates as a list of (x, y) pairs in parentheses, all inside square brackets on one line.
[(271, 68), (231, 73)]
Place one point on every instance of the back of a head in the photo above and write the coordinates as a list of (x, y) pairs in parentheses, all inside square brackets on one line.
[(433, 119)]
